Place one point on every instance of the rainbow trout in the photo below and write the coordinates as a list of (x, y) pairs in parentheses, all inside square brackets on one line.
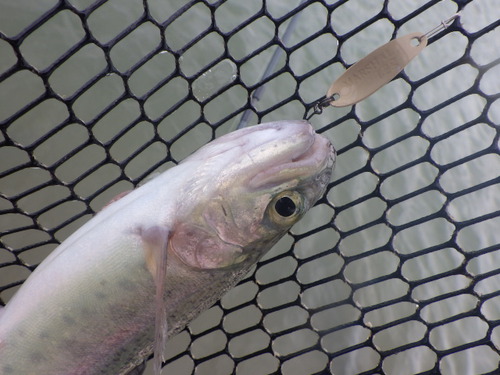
[(147, 264)]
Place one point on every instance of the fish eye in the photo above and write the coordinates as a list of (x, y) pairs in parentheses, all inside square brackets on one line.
[(285, 206)]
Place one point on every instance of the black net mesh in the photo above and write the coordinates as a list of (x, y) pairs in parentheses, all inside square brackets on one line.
[(394, 271)]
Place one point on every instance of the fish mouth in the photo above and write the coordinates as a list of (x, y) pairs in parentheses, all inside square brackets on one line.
[(269, 154), (303, 154)]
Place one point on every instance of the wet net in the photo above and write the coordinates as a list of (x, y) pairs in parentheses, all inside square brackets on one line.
[(395, 271)]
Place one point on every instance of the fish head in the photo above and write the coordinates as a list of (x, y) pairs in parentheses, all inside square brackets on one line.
[(249, 187)]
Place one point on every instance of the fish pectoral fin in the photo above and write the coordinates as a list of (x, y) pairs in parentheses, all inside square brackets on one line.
[(156, 240)]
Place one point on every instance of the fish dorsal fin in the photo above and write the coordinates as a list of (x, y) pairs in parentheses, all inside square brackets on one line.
[(155, 246)]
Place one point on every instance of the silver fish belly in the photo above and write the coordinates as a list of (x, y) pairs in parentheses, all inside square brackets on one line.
[(150, 262)]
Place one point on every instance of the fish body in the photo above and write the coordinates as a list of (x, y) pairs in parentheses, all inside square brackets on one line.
[(169, 249)]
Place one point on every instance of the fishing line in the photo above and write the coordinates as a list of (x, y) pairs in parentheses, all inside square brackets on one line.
[(271, 68)]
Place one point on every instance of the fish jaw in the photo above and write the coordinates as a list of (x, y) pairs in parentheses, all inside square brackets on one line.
[(302, 164), (291, 136), (267, 149)]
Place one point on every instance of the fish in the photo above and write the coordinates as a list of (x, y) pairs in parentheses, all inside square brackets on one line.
[(147, 264)]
